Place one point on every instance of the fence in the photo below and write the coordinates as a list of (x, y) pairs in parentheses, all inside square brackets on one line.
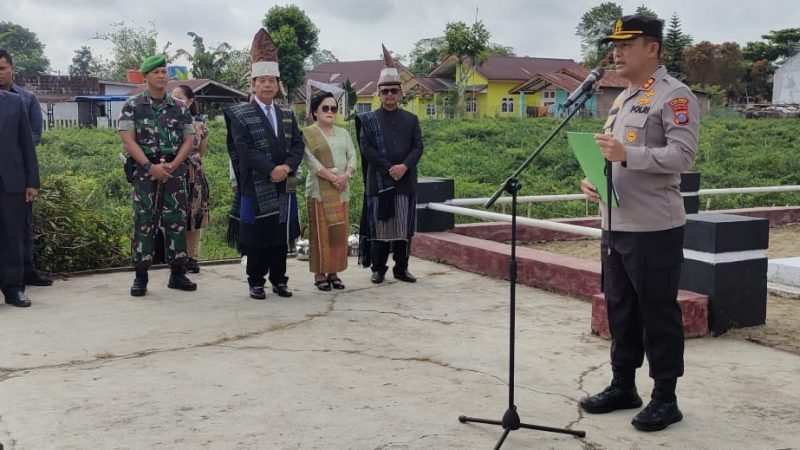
[(458, 206), (102, 122)]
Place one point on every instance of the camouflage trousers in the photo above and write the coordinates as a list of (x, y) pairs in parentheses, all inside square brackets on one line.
[(157, 204)]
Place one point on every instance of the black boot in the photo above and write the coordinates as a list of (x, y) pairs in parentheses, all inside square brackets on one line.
[(139, 287), (178, 280), (657, 415), (192, 266), (662, 411), (621, 394)]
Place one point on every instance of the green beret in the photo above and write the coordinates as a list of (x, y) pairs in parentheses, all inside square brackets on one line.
[(151, 62)]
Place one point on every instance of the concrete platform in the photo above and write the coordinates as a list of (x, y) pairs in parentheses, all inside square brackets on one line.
[(784, 271), (388, 367), (694, 311)]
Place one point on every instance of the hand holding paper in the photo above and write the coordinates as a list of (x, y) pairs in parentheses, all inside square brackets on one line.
[(591, 161)]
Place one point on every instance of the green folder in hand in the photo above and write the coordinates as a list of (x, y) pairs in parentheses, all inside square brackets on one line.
[(592, 162)]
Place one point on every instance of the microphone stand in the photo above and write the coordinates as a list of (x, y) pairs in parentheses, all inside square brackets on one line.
[(511, 420)]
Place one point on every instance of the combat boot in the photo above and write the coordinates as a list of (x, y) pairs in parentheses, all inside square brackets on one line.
[(139, 287), (178, 279)]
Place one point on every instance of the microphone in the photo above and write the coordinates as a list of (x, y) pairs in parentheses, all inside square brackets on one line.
[(587, 85)]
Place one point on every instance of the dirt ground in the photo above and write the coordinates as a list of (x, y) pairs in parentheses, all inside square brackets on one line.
[(782, 329)]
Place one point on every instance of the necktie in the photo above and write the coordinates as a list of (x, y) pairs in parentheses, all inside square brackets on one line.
[(270, 113)]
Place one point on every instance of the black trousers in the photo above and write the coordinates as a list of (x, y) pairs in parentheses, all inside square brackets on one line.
[(266, 260), (29, 267), (12, 230), (380, 255), (640, 282)]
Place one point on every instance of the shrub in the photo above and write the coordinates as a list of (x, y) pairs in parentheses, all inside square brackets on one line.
[(76, 228)]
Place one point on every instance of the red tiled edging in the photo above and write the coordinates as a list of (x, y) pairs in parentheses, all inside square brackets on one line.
[(694, 308), (545, 270)]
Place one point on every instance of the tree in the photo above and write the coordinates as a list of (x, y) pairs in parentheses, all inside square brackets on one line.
[(757, 82), (25, 48), (205, 63), (675, 42), (320, 57), (296, 38), (236, 71), (430, 52), (352, 98), (469, 44), (762, 58), (500, 50), (643, 10), (710, 64), (594, 25), (778, 46), (84, 64), (427, 54), (131, 44)]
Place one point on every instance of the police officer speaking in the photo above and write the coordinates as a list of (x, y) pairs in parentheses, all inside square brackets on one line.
[(650, 138)]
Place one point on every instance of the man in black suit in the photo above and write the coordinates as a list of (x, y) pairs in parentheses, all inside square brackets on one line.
[(34, 113), (19, 184)]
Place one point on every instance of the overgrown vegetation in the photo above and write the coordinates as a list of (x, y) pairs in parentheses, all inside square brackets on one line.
[(83, 219)]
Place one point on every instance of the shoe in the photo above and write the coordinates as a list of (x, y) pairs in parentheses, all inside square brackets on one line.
[(282, 290), (257, 292), (323, 285), (404, 275), (336, 282), (657, 415), (139, 287), (611, 399), (178, 280), (37, 279), (17, 298), (192, 266), (377, 276)]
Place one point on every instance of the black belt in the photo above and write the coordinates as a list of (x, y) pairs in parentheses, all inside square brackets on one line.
[(156, 159)]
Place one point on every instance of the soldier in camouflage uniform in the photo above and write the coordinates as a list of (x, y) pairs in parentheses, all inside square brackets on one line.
[(157, 133)]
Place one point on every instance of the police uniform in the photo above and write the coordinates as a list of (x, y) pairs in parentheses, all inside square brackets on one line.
[(642, 244), (658, 124), (159, 126)]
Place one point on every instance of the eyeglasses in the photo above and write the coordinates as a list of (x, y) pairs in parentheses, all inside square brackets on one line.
[(329, 108), (390, 91)]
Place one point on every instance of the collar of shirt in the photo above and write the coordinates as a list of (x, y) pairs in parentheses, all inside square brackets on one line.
[(147, 99), (266, 107)]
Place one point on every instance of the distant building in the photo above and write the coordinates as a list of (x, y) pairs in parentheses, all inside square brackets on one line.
[(363, 77), (89, 102), (786, 82), (488, 92)]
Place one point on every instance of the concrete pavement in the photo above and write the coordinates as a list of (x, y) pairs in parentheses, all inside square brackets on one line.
[(388, 366)]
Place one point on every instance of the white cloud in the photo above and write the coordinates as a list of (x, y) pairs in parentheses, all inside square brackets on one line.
[(354, 29)]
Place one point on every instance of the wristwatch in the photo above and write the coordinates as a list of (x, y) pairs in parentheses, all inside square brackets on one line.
[(146, 166)]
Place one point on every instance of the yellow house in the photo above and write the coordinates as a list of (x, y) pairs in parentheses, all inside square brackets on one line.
[(429, 97), (487, 90)]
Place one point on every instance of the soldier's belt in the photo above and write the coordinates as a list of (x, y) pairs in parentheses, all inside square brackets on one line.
[(156, 159)]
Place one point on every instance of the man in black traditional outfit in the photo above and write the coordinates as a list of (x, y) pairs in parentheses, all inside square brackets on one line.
[(391, 146), (267, 147)]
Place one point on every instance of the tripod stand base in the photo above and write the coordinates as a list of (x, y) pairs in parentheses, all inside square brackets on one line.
[(512, 422)]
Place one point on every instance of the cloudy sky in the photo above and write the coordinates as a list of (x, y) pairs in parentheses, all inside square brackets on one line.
[(354, 29)]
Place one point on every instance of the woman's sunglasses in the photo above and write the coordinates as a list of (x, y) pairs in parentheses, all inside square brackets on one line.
[(328, 108)]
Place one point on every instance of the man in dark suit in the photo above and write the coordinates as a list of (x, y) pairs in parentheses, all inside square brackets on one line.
[(19, 184), (268, 145), (34, 113)]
